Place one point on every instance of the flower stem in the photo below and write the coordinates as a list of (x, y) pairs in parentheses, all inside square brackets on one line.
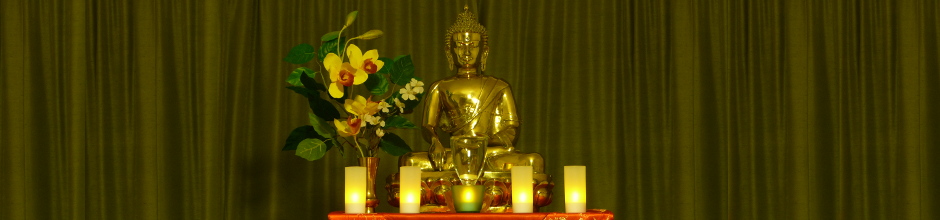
[(356, 140), (323, 80), (346, 45), (391, 89), (338, 37)]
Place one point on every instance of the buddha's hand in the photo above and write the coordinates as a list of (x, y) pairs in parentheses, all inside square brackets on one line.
[(436, 154)]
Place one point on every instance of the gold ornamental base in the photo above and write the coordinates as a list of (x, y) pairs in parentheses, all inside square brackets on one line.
[(437, 187)]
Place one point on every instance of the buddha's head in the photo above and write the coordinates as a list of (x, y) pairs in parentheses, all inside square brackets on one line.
[(466, 40)]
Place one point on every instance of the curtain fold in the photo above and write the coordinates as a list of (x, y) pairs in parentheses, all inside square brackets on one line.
[(680, 109)]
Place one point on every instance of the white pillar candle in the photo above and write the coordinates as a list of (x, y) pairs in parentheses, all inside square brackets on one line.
[(522, 189), (409, 194), (575, 189), (355, 190)]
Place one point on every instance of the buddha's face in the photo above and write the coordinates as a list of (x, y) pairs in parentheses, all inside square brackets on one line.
[(467, 48)]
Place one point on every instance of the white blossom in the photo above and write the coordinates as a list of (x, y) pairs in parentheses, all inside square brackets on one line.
[(400, 105), (417, 86), (411, 89), (372, 120), (384, 106), (407, 93), (379, 132)]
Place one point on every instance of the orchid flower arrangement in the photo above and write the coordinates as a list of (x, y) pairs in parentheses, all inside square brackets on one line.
[(341, 116)]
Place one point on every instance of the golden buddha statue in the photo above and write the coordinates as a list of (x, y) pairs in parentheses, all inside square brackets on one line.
[(472, 104)]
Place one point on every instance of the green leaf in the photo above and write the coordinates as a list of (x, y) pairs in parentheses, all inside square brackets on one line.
[(394, 145), (305, 132), (301, 54), (377, 84), (294, 77), (329, 36), (411, 104), (335, 143), (351, 17), (311, 149), (403, 70), (319, 106), (303, 91), (323, 108), (307, 81), (396, 121), (330, 47), (296, 136), (322, 127), (389, 65)]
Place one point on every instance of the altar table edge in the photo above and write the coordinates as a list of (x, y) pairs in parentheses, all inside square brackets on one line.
[(592, 214)]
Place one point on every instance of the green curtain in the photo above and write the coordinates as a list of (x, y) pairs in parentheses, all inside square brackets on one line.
[(682, 109)]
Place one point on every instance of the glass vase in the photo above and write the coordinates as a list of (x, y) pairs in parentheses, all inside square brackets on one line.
[(469, 152)]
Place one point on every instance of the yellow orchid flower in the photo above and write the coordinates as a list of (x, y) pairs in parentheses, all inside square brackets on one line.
[(368, 63), (361, 106), (349, 127), (342, 75)]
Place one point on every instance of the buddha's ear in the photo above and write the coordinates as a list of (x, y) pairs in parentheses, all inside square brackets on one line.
[(486, 53), (450, 58)]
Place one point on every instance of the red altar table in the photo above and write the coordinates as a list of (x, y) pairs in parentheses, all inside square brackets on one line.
[(592, 214)]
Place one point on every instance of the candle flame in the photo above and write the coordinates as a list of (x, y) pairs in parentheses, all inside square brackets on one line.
[(575, 197), (468, 194), (354, 197), (410, 198)]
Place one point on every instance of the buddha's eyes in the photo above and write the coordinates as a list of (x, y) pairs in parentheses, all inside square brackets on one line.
[(470, 44)]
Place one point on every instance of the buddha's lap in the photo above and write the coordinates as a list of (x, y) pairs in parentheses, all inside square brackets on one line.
[(496, 160)]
